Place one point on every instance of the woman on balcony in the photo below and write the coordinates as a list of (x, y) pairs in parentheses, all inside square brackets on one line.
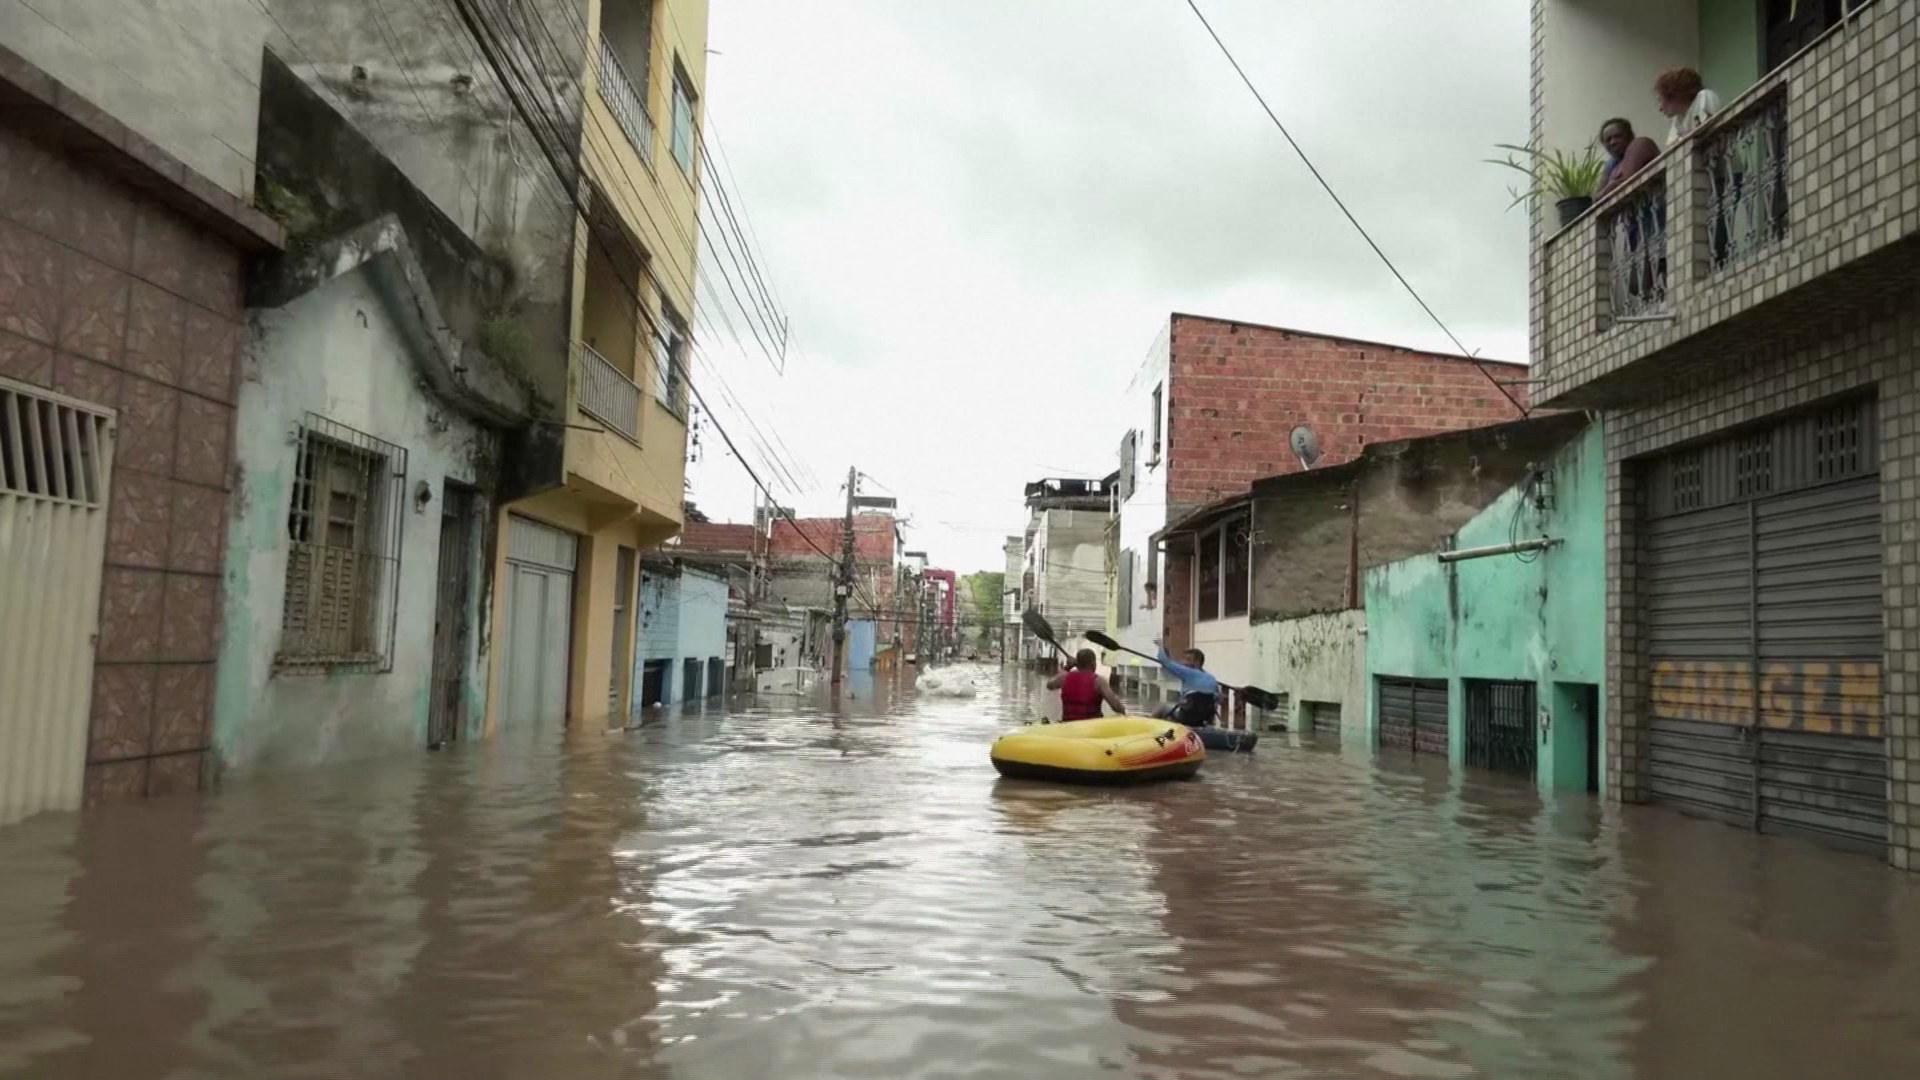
[(1685, 100)]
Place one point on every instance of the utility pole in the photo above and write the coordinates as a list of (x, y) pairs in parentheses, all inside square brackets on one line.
[(845, 584)]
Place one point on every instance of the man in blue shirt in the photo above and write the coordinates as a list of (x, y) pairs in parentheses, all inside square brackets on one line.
[(1199, 690)]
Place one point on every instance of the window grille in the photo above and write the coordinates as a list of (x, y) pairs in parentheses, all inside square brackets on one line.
[(343, 558)]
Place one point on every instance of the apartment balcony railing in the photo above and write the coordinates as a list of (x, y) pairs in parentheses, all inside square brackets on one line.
[(1793, 201), (1745, 162), (607, 394), (627, 102), (1636, 252)]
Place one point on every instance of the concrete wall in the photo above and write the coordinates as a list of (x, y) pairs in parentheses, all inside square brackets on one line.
[(1503, 617), (1228, 644), (1070, 588), (1316, 658), (335, 352), (1599, 60), (1730, 45), (184, 74), (1145, 510), (703, 615)]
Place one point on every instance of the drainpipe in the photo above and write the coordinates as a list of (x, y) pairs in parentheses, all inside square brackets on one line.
[(1540, 544)]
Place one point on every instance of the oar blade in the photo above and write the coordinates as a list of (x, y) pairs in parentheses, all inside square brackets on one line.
[(1101, 640), (1038, 623), (1260, 699)]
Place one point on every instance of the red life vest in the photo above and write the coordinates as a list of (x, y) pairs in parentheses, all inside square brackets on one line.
[(1079, 695)]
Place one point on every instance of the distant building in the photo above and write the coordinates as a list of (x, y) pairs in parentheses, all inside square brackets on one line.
[(1217, 404)]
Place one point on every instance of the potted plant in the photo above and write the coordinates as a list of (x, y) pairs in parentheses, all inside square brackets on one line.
[(1568, 179)]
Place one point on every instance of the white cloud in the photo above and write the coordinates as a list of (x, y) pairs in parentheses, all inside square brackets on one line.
[(979, 214)]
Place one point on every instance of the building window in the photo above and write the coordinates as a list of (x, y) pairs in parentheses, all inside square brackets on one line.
[(343, 558), (672, 376), (1207, 581), (1234, 558), (683, 134), (1153, 451)]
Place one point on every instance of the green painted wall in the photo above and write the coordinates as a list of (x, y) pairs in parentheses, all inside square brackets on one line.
[(1729, 45), (1504, 618)]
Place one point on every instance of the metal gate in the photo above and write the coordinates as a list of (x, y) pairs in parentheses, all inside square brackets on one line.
[(1501, 732), (452, 616), (1761, 612), (56, 458), (533, 681), (716, 677), (1323, 720), (1413, 714)]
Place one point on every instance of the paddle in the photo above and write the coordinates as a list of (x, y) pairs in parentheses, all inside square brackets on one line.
[(1043, 630), (1258, 698)]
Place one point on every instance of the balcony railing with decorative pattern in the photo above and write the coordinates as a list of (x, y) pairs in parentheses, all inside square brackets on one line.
[(1797, 197), (627, 102), (607, 394)]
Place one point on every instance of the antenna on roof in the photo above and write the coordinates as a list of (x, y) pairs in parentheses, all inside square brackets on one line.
[(1306, 446)]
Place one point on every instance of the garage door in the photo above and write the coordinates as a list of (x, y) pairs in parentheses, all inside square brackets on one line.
[(539, 598), (1413, 714), (1761, 610), (1323, 721)]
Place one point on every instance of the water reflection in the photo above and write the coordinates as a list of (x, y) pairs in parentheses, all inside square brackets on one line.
[(842, 888)]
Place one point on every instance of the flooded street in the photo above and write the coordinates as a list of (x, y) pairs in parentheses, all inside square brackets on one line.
[(848, 891)]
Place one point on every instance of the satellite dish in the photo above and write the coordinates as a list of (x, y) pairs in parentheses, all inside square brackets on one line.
[(1306, 446)]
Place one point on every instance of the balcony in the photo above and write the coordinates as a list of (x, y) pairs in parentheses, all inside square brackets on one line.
[(1796, 205), (606, 393), (626, 101)]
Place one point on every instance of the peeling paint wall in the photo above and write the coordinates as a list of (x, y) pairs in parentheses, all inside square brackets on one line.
[(1316, 658), (1506, 618), (335, 352)]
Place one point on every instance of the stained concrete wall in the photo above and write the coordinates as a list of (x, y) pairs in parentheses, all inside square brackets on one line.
[(703, 615), (336, 352), (1316, 658), (1505, 617), (184, 73)]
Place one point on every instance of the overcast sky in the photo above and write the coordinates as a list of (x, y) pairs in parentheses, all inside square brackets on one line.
[(978, 215)]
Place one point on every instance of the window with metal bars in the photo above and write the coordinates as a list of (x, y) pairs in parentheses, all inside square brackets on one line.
[(343, 557), (1837, 443), (52, 450)]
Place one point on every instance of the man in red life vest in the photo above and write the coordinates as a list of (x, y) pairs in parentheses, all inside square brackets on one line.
[(1082, 691)]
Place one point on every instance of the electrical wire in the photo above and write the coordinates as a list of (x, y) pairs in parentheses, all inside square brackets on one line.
[(1354, 221)]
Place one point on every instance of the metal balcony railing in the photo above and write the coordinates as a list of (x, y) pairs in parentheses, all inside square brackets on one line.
[(1636, 232), (607, 394), (627, 102), (1745, 163)]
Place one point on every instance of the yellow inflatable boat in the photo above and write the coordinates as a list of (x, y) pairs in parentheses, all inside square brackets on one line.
[(1110, 750)]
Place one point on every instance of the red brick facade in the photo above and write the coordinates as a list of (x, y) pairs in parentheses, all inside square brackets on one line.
[(716, 536), (872, 537), (1238, 390)]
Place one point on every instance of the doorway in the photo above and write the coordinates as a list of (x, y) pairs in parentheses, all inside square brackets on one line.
[(452, 614)]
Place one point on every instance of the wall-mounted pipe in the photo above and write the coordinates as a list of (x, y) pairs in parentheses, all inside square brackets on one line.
[(1540, 544)]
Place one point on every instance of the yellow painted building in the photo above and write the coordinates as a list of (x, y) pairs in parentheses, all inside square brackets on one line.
[(564, 617)]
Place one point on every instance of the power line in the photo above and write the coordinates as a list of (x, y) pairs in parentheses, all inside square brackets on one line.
[(1337, 201)]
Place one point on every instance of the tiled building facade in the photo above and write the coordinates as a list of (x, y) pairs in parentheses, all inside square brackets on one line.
[(121, 288), (1820, 302)]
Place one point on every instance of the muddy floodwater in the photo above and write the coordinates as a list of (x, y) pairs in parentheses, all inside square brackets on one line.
[(787, 890)]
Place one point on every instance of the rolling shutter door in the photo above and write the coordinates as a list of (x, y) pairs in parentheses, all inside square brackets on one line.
[(1762, 615), (1396, 714), (1323, 720), (1413, 715)]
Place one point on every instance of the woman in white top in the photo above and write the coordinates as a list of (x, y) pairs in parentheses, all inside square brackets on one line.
[(1685, 99)]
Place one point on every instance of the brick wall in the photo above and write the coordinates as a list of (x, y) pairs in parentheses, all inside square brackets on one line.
[(1879, 352), (872, 537), (716, 536), (110, 297), (1238, 390)]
